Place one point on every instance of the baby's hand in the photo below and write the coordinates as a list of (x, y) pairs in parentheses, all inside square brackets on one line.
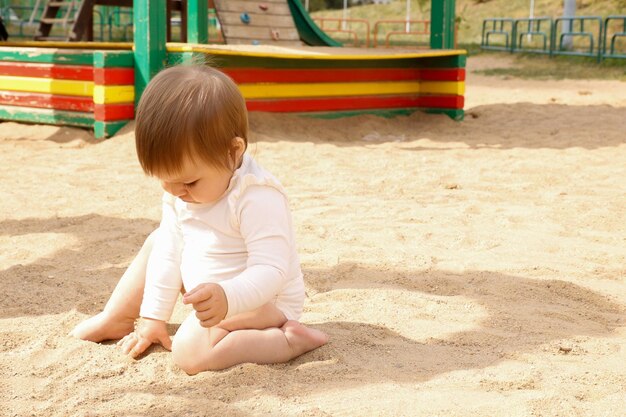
[(148, 331), (209, 301)]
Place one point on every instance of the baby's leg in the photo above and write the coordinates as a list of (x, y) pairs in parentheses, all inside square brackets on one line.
[(119, 315), (254, 337)]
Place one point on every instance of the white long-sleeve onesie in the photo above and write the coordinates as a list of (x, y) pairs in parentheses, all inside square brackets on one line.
[(244, 242)]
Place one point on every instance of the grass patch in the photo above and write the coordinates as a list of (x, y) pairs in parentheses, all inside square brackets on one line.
[(539, 67)]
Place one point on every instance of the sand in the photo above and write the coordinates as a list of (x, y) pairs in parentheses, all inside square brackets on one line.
[(460, 269)]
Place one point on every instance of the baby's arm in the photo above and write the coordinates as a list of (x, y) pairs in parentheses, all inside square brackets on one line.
[(163, 284), (265, 224)]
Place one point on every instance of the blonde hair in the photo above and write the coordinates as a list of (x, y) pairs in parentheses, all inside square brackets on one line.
[(188, 111)]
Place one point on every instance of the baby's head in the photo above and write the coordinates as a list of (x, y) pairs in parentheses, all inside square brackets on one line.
[(190, 113)]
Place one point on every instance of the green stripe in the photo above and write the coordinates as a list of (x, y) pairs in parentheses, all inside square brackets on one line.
[(238, 61), (454, 114), (46, 57), (104, 130), (52, 117), (105, 59)]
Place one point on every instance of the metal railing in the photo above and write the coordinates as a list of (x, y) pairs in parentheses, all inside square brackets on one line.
[(423, 25), (531, 29), (570, 28), (590, 36), (614, 37), (499, 27), (342, 25)]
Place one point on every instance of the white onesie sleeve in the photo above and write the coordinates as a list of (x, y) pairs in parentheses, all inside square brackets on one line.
[(265, 224), (163, 277)]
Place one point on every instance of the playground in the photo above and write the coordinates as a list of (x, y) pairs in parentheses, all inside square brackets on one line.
[(460, 268), (472, 268)]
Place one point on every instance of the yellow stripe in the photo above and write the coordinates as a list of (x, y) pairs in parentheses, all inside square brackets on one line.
[(332, 54), (47, 85), (256, 91), (109, 94)]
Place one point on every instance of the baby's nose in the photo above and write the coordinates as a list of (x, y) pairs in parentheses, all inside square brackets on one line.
[(174, 189)]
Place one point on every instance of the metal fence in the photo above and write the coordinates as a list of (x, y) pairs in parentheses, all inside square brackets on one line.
[(590, 36), (110, 23)]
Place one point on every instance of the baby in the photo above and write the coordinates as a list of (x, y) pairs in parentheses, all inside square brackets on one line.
[(226, 236)]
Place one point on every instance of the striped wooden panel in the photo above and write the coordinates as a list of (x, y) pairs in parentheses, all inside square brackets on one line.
[(69, 72), (264, 75), (355, 103), (301, 90), (114, 76), (47, 116), (112, 112), (235, 59), (46, 101), (46, 85), (62, 72), (113, 94), (46, 55)]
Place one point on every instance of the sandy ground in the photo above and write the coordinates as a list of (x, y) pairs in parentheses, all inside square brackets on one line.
[(460, 269)]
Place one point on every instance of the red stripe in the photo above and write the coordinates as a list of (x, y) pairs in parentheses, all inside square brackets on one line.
[(114, 76), (355, 103), (46, 101), (264, 75), (111, 112), (61, 72)]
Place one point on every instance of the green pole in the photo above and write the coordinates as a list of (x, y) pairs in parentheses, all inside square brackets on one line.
[(197, 21), (442, 24), (150, 31)]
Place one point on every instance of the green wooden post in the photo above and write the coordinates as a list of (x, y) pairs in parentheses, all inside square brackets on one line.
[(442, 24), (150, 31), (197, 21)]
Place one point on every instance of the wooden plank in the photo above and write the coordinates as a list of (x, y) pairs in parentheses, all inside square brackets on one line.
[(241, 41), (61, 72), (197, 22), (238, 59), (355, 103), (46, 116), (259, 32), (47, 101), (46, 55), (111, 94), (114, 76), (112, 112), (70, 45), (264, 75), (103, 59), (257, 19), (300, 90), (150, 52), (46, 85), (279, 7)]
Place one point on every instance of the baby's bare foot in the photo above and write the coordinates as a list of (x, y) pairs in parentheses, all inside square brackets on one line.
[(302, 339), (103, 327)]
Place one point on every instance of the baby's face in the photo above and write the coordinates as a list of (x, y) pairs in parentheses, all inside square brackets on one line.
[(198, 182)]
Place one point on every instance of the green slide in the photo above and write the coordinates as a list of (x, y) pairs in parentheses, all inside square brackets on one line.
[(309, 32)]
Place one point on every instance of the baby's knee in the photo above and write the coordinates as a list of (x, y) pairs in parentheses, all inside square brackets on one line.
[(188, 357)]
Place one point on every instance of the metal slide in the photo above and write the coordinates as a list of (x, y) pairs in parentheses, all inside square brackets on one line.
[(309, 32)]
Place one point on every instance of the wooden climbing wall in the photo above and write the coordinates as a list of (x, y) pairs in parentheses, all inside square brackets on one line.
[(257, 22)]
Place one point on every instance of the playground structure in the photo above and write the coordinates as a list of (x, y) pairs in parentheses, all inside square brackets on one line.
[(592, 36), (95, 85)]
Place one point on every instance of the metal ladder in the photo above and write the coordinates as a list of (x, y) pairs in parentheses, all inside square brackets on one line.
[(71, 12)]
